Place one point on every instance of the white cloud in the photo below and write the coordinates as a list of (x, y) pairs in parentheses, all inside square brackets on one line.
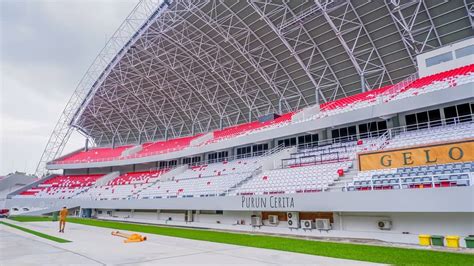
[(45, 48)]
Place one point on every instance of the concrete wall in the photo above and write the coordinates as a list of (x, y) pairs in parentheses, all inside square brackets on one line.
[(439, 200), (101, 170), (413, 223), (455, 63), (145, 166)]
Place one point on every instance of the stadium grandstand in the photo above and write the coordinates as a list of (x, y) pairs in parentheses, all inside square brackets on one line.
[(350, 119)]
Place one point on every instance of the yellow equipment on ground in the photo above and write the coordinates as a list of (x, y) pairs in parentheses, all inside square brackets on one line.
[(424, 240), (452, 241), (129, 237)]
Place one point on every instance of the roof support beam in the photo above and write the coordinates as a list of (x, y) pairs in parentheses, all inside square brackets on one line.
[(289, 47), (470, 11), (368, 63), (406, 17)]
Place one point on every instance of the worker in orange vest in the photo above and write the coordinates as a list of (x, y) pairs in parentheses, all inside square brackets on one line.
[(62, 219)]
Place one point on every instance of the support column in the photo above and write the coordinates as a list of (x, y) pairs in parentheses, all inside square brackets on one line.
[(316, 95), (362, 83), (86, 146)]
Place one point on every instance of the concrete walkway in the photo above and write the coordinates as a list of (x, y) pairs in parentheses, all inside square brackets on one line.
[(94, 245)]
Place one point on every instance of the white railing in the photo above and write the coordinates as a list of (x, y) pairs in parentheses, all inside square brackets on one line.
[(409, 182)]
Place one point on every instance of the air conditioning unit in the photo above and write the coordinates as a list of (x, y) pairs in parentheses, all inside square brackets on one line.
[(384, 224), (256, 221), (323, 224), (273, 219), (293, 219), (307, 224)]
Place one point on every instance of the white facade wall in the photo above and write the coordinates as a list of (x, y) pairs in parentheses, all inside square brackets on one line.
[(424, 70)]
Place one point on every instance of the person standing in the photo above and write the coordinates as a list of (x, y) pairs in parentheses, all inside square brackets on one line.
[(62, 219)]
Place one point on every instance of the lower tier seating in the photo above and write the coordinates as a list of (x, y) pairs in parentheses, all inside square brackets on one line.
[(220, 168), (455, 174), (305, 179), (137, 177), (124, 186), (194, 187), (433, 134), (62, 186)]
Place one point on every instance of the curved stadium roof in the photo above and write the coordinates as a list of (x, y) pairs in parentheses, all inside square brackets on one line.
[(198, 65)]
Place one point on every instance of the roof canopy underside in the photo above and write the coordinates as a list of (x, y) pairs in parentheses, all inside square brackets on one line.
[(206, 64)]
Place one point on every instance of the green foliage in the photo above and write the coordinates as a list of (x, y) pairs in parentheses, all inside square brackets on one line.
[(36, 233)]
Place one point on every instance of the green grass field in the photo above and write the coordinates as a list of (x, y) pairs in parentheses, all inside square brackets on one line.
[(36, 233), (388, 255)]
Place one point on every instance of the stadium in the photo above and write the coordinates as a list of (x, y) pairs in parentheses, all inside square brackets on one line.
[(307, 127)]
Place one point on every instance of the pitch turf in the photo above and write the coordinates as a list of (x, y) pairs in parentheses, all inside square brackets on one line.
[(36, 233), (387, 255)]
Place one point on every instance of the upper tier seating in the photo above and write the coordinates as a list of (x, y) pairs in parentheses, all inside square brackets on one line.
[(95, 154), (160, 147), (443, 80), (248, 128), (401, 90), (123, 186), (454, 174), (434, 134), (305, 179), (61, 186)]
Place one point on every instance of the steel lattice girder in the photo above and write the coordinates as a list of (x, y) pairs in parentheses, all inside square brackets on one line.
[(203, 64)]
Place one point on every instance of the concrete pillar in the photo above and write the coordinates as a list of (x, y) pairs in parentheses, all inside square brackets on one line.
[(362, 83), (86, 146)]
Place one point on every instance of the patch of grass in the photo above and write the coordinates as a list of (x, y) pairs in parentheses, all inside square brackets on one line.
[(388, 255), (36, 233), (31, 218), (378, 254)]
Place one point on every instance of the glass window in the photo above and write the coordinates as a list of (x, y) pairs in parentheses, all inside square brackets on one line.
[(438, 59), (422, 119), (363, 130), (352, 131), (301, 140), (464, 112), (293, 141), (450, 114), (411, 121), (343, 132), (434, 116), (465, 51)]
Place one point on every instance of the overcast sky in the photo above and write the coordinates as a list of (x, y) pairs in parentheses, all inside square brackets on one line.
[(46, 47)]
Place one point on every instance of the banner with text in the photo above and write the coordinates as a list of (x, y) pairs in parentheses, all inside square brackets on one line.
[(424, 155)]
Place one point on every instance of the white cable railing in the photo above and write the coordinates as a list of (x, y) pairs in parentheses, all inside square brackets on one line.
[(410, 182)]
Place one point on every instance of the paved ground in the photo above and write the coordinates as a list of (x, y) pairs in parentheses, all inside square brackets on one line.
[(95, 246)]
